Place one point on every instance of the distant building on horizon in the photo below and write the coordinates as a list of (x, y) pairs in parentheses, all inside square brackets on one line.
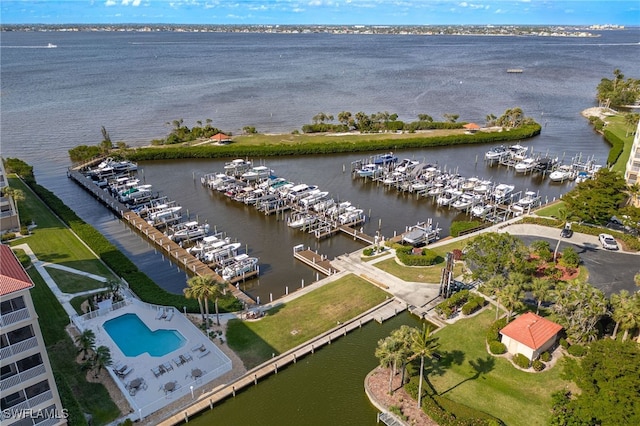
[(28, 392)]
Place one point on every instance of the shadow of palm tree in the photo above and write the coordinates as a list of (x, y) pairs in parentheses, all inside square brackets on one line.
[(442, 361), (480, 366)]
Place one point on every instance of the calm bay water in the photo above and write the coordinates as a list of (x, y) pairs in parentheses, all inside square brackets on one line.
[(134, 83)]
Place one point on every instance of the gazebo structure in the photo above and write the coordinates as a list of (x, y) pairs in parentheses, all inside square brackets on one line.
[(221, 138), (530, 335), (472, 127)]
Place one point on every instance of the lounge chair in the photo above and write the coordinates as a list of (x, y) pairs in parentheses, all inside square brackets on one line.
[(197, 348), (124, 373), (169, 315), (205, 353), (186, 358), (167, 366), (161, 314), (156, 371), (177, 361)]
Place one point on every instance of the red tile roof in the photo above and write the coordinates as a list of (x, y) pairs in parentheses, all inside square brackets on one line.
[(13, 277), (220, 137), (531, 330)]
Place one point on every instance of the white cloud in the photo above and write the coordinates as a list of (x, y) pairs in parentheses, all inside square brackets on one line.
[(110, 3), (134, 3)]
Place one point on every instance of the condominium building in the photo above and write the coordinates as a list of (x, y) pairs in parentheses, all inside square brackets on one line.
[(9, 220), (28, 393), (632, 172)]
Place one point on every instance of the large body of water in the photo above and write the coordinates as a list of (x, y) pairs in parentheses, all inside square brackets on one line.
[(135, 83)]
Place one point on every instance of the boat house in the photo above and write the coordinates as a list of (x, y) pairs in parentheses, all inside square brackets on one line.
[(530, 335), (221, 138)]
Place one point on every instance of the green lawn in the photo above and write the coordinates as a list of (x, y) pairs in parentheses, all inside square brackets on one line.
[(551, 210), (288, 325), (617, 126), (51, 241), (69, 282), (421, 274), (469, 375), (92, 397)]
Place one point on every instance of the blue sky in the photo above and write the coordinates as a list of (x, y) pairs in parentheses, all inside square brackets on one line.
[(380, 12)]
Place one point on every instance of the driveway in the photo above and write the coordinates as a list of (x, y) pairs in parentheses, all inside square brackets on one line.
[(609, 271)]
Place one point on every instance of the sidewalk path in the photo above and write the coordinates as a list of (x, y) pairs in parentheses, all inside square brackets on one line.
[(63, 298)]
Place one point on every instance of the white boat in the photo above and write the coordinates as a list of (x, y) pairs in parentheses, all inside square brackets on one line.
[(480, 210), (241, 265), (189, 231), (561, 174), (51, 46), (337, 209), (369, 170), (530, 199), (448, 196), (465, 201), (311, 200), (257, 173), (324, 205), (582, 176), (220, 253), (237, 167), (406, 165), (393, 177), (469, 184), (525, 166), (496, 153), (300, 191), (501, 192), (351, 215), (137, 194), (303, 221), (517, 151), (482, 187), (436, 190), (207, 243)]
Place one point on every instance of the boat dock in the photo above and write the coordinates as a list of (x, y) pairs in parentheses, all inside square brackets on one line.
[(176, 253), (382, 312), (316, 261)]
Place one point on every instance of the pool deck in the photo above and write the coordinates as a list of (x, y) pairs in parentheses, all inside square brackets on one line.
[(155, 390)]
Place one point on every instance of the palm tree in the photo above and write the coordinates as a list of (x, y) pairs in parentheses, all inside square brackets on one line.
[(626, 312), (423, 345), (218, 289), (386, 357), (511, 298), (86, 341), (494, 287), (194, 291), (541, 290), (101, 359), (402, 340)]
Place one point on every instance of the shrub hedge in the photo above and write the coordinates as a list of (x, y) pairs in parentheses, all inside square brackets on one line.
[(577, 350), (146, 289), (497, 348), (493, 334), (538, 365), (545, 356), (327, 147), (449, 306), (427, 258), (617, 146), (473, 305), (521, 361)]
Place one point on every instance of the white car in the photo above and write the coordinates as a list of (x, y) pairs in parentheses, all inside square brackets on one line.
[(608, 242)]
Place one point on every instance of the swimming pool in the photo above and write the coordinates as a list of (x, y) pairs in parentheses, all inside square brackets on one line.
[(133, 337)]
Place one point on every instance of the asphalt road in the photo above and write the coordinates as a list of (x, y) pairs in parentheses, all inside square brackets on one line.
[(609, 271)]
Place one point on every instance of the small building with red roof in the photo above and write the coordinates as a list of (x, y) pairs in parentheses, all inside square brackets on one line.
[(530, 335), (221, 138)]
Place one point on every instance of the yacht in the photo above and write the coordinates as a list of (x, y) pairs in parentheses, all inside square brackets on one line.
[(525, 166), (384, 159), (240, 266), (496, 153), (561, 174), (257, 173), (530, 199), (237, 167), (369, 170), (303, 221), (501, 192), (189, 231)]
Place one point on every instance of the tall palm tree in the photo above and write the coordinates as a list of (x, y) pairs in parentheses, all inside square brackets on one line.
[(86, 341), (494, 287), (402, 340), (541, 290), (423, 345), (619, 304), (101, 359), (217, 290), (194, 290), (386, 357), (511, 298), (627, 313)]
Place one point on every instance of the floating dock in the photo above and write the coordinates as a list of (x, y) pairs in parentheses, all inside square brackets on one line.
[(313, 259)]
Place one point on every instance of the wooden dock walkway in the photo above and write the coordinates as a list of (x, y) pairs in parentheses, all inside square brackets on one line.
[(382, 312), (313, 259), (357, 235), (168, 247)]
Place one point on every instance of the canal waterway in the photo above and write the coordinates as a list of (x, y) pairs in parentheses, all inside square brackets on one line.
[(323, 388)]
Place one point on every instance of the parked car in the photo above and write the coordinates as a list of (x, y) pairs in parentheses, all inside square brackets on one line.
[(566, 232), (608, 242)]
